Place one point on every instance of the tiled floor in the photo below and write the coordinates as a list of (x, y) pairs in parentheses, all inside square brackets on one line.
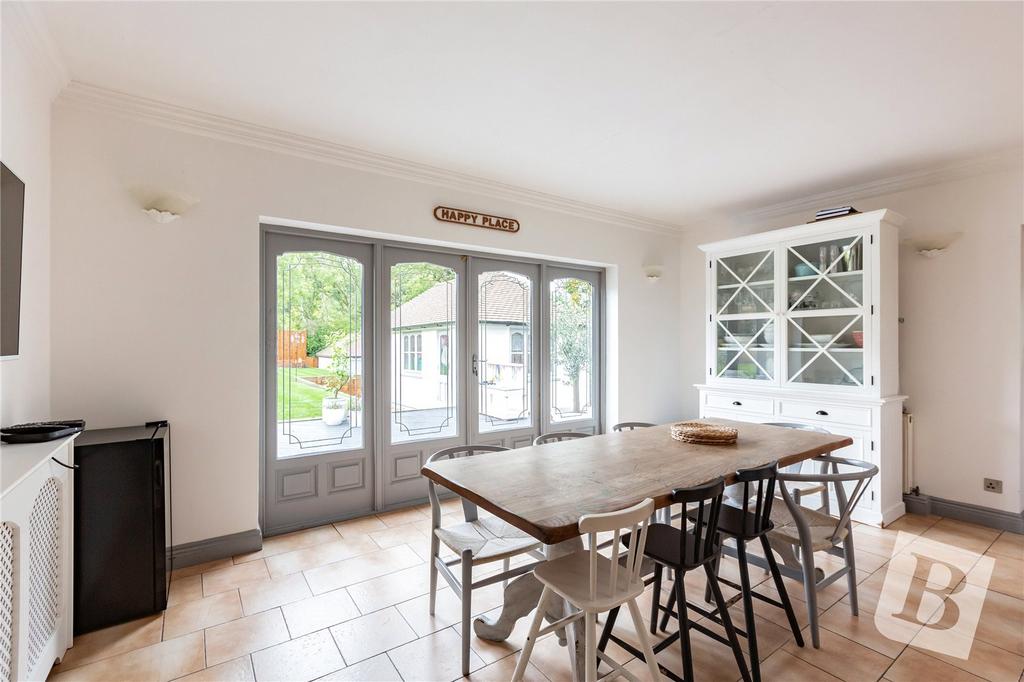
[(348, 602)]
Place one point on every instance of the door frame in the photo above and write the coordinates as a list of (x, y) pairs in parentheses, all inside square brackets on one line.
[(379, 291)]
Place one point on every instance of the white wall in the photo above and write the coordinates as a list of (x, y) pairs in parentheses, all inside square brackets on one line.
[(29, 86), (162, 321), (960, 344)]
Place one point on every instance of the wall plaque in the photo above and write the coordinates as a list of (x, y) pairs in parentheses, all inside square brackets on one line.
[(474, 219)]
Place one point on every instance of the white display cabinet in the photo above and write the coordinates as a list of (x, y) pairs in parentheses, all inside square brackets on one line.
[(802, 327)]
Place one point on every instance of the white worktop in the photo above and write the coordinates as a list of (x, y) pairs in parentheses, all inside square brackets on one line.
[(18, 461)]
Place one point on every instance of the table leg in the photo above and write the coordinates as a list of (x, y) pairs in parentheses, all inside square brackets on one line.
[(521, 596)]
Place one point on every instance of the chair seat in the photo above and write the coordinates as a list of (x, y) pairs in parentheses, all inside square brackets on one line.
[(663, 544), (569, 576), (821, 526), (488, 538)]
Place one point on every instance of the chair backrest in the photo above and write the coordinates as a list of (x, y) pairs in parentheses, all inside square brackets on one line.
[(633, 520), (468, 508), (631, 426), (704, 545), (796, 468), (557, 436), (758, 487), (861, 475)]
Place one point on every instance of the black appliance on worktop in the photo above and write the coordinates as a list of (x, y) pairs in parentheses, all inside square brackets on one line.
[(122, 524)]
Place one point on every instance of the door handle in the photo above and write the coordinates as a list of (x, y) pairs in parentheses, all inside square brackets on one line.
[(823, 413), (737, 403), (475, 373)]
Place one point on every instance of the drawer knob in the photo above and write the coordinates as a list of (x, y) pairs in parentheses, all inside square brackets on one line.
[(823, 413), (736, 403)]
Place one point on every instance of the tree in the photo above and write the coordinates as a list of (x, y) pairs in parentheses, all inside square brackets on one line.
[(571, 317), (409, 280)]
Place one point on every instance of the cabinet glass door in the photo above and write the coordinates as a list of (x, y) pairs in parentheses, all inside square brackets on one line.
[(744, 316), (825, 312)]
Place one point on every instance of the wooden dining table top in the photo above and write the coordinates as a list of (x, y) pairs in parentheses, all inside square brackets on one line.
[(545, 489)]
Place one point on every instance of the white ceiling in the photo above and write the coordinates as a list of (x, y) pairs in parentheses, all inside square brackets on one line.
[(663, 110)]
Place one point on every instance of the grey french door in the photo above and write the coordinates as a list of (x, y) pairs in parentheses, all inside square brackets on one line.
[(319, 393), (422, 334), (378, 355), (504, 351)]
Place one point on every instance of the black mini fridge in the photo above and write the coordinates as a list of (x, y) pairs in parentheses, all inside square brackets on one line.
[(122, 524)]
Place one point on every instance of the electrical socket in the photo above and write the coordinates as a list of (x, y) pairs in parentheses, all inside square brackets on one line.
[(993, 485)]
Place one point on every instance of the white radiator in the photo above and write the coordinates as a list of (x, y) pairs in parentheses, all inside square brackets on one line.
[(908, 452)]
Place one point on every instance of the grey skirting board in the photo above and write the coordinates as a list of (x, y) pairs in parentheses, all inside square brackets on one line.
[(210, 549), (961, 511)]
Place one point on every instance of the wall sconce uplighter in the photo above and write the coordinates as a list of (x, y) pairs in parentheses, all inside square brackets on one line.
[(652, 272)]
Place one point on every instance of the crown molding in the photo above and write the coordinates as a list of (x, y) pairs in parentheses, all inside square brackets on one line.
[(1001, 160), (25, 23), (154, 112)]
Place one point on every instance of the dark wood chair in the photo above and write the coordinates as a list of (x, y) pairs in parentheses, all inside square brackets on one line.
[(681, 551), (751, 521)]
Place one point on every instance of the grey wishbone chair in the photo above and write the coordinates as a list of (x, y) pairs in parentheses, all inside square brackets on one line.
[(800, 531), (631, 426), (558, 436), (476, 541), (809, 488)]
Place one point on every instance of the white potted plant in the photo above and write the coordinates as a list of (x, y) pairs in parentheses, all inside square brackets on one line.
[(335, 406)]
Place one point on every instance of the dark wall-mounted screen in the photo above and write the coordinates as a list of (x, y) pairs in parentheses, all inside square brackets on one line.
[(12, 220)]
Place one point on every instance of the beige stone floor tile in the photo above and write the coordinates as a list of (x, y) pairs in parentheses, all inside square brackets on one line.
[(777, 615), (364, 637), (400, 535), (841, 657), (712, 660), (551, 659), (234, 576), (865, 562), (925, 595), (236, 670), (199, 568), (393, 588), (448, 608), (155, 663), (966, 536), (376, 669), (359, 526), (273, 593), (937, 562), (434, 657), (357, 569), (826, 597), (880, 541), (201, 614), (1002, 617), (245, 635), (306, 658), (501, 671), (490, 652), (319, 555), (321, 611), (784, 666), (913, 523), (1010, 545), (1007, 576), (984, 660), (279, 544), (914, 666), (185, 589), (112, 641), (400, 517), (863, 630)]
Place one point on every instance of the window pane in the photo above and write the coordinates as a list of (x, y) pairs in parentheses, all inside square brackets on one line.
[(423, 312), (319, 353), (504, 385), (572, 349)]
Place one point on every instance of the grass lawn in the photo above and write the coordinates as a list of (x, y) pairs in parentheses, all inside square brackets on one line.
[(306, 400)]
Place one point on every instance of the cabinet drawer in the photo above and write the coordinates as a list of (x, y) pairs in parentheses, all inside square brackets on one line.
[(740, 402), (824, 412)]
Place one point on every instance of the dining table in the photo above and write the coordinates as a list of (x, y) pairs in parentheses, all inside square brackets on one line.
[(544, 490)]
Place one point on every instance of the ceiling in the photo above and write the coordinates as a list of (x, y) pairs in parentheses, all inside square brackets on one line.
[(664, 110)]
